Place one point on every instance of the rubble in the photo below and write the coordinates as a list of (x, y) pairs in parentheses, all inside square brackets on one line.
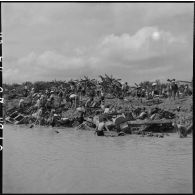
[(127, 111)]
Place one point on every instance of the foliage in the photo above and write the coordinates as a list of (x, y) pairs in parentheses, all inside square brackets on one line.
[(109, 84)]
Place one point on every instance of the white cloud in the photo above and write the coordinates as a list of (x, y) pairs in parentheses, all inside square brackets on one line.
[(54, 60), (112, 50), (34, 66), (146, 43), (51, 60)]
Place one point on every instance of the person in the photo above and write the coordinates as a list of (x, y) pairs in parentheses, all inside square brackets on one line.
[(102, 96), (73, 99), (138, 91), (72, 88), (164, 91), (47, 93), (174, 88), (98, 90), (186, 90), (21, 103), (60, 94), (113, 109), (25, 91), (38, 103), (124, 88), (38, 115), (42, 101), (143, 114), (89, 102), (83, 91), (102, 106), (182, 130), (107, 109), (79, 87), (154, 89), (32, 91), (82, 121), (48, 104), (56, 120), (51, 117), (52, 99), (101, 127), (178, 108), (81, 111), (51, 94), (169, 89)]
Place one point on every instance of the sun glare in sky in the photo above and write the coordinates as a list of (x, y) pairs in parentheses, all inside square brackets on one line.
[(156, 35)]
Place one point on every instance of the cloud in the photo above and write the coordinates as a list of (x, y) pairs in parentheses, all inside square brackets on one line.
[(52, 60), (135, 51), (49, 64), (132, 50)]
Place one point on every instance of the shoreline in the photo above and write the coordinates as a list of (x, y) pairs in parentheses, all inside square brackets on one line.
[(184, 116)]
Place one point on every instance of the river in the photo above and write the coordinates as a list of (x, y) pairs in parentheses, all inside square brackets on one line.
[(39, 160)]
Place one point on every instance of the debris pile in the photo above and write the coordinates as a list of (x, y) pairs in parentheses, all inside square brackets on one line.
[(82, 103)]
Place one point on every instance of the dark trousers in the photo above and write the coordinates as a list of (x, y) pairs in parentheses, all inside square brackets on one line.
[(100, 133)]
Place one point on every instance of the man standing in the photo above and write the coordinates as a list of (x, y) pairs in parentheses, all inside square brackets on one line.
[(174, 88)]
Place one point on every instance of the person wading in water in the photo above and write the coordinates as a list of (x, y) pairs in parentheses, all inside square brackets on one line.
[(101, 127), (182, 130)]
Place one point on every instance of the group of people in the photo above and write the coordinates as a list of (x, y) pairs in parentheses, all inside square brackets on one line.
[(171, 90), (51, 102)]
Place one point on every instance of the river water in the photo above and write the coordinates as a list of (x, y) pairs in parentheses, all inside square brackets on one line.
[(39, 160)]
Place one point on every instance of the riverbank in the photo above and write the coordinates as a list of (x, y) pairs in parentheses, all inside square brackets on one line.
[(183, 115)]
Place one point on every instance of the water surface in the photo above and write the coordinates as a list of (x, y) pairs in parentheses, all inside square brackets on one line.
[(38, 160)]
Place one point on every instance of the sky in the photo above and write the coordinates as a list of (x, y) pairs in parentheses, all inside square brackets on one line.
[(132, 41)]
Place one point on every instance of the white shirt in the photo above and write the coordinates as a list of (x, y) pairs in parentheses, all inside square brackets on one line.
[(38, 102), (101, 126), (37, 114), (102, 107), (106, 110)]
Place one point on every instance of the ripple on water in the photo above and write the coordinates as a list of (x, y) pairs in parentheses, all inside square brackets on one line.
[(75, 161)]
